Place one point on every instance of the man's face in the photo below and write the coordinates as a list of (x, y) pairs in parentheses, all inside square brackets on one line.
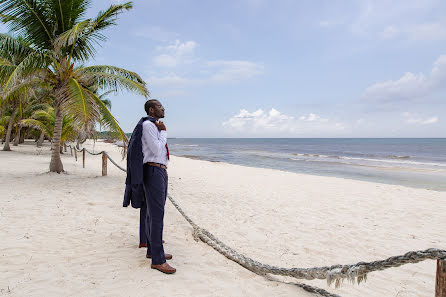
[(158, 110)]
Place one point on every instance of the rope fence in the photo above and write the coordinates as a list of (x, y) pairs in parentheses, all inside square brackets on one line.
[(333, 274)]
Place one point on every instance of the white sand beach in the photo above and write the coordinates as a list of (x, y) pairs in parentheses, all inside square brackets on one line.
[(68, 234)]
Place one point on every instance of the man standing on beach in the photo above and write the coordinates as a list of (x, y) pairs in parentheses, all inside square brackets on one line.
[(147, 160)]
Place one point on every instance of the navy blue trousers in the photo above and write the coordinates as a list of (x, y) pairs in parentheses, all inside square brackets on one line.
[(142, 224), (155, 188)]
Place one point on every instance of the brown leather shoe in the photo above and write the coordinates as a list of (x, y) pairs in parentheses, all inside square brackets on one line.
[(141, 245), (164, 268), (167, 256)]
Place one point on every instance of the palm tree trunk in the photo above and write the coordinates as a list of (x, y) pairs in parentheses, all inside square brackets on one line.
[(41, 139), (17, 135), (8, 132), (22, 136), (56, 162)]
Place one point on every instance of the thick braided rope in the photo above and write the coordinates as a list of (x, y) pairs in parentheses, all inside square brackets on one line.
[(91, 153), (206, 236), (95, 154), (99, 153), (111, 160), (332, 273), (308, 288)]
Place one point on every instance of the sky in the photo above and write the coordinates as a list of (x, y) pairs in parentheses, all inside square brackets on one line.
[(260, 68)]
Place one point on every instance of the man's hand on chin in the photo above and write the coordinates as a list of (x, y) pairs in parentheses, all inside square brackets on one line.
[(160, 125)]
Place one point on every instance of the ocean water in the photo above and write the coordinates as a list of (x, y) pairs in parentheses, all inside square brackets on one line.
[(414, 162)]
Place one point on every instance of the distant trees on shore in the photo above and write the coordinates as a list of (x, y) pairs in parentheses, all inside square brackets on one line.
[(45, 87)]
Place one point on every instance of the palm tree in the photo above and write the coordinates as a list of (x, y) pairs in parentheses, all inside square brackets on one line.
[(44, 119), (58, 41), (8, 122), (3, 122), (19, 91)]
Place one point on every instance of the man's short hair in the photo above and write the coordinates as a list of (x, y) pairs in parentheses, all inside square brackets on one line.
[(150, 103)]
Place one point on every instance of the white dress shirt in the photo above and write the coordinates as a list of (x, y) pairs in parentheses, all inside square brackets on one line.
[(154, 144)]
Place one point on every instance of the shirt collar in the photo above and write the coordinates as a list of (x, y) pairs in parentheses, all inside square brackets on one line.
[(152, 119)]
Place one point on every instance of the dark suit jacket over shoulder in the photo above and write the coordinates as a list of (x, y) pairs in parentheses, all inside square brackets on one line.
[(134, 191)]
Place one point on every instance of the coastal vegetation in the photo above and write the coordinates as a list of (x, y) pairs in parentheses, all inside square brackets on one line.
[(45, 85)]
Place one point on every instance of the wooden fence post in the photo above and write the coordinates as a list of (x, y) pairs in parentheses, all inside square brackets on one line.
[(83, 157), (75, 154), (64, 147), (440, 282), (104, 164)]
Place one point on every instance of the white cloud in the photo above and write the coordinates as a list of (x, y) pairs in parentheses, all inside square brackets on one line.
[(410, 86), (414, 119), (175, 54), (234, 70), (311, 117), (181, 56), (259, 121), (276, 124), (165, 60), (180, 48), (216, 72), (438, 74), (171, 80)]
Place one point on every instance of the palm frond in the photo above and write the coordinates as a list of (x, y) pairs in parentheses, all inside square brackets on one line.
[(107, 119), (33, 107), (6, 68), (44, 116), (70, 36), (4, 120), (67, 13), (36, 124), (84, 46), (68, 130), (2, 131), (106, 93), (80, 105), (13, 48), (113, 81), (22, 88), (5, 62), (107, 103), (30, 19), (108, 17), (115, 78)]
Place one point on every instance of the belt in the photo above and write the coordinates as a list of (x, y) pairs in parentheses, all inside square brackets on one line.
[(156, 165)]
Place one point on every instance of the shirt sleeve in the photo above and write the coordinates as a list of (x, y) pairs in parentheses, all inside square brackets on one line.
[(155, 142)]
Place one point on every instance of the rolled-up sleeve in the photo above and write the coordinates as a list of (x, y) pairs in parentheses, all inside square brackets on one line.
[(153, 140)]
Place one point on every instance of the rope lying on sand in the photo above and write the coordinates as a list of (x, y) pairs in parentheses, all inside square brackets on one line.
[(101, 152), (335, 273)]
